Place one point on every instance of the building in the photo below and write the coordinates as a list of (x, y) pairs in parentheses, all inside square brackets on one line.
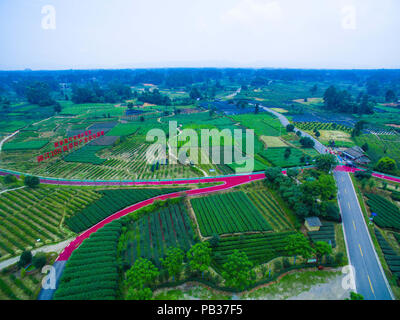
[(312, 223), (356, 154)]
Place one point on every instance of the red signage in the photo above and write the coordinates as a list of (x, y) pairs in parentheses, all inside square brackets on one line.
[(69, 143)]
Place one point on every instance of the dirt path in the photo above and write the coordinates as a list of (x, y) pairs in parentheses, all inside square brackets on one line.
[(6, 138)]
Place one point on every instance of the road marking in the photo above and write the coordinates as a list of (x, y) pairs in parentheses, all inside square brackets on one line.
[(360, 250), (354, 225), (345, 190), (348, 203), (372, 289)]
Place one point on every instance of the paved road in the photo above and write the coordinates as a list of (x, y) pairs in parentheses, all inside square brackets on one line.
[(370, 279), (284, 121), (47, 294)]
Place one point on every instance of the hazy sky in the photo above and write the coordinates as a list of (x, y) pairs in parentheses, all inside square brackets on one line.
[(162, 33)]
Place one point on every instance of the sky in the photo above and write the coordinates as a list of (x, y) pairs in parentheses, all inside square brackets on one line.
[(86, 34)]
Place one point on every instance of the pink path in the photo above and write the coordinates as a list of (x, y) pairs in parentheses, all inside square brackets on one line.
[(227, 183), (374, 174)]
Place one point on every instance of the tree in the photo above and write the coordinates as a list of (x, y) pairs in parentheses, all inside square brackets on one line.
[(327, 186), (390, 96), (365, 147), (57, 107), (195, 94), (31, 181), (10, 178), (322, 249), (173, 261), (290, 127), (358, 128), (139, 294), (317, 133), (292, 172), (373, 87), (297, 244), (355, 296), (298, 133), (257, 109), (25, 259), (237, 271), (141, 274), (325, 162), (307, 142), (39, 260), (199, 257), (287, 153), (314, 89), (386, 165), (214, 241), (141, 119), (39, 93), (272, 173)]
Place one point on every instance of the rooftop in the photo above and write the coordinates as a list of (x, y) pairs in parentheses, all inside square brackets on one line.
[(313, 222)]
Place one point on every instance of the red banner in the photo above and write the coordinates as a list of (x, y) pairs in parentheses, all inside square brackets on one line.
[(69, 143)]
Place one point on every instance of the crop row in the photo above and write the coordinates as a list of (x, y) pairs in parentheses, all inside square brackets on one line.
[(387, 213), (228, 213), (150, 236), (110, 202), (311, 126), (29, 215), (326, 233), (91, 273), (391, 257), (260, 248)]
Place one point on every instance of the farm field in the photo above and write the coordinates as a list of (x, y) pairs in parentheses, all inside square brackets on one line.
[(14, 287), (387, 213), (326, 233), (86, 154), (270, 209), (391, 257), (259, 248), (276, 156), (262, 123), (92, 271), (253, 218), (29, 145), (381, 146), (27, 215), (109, 202), (225, 213), (272, 142), (150, 236)]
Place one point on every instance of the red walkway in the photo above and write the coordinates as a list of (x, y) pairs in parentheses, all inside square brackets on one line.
[(376, 175), (228, 182)]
